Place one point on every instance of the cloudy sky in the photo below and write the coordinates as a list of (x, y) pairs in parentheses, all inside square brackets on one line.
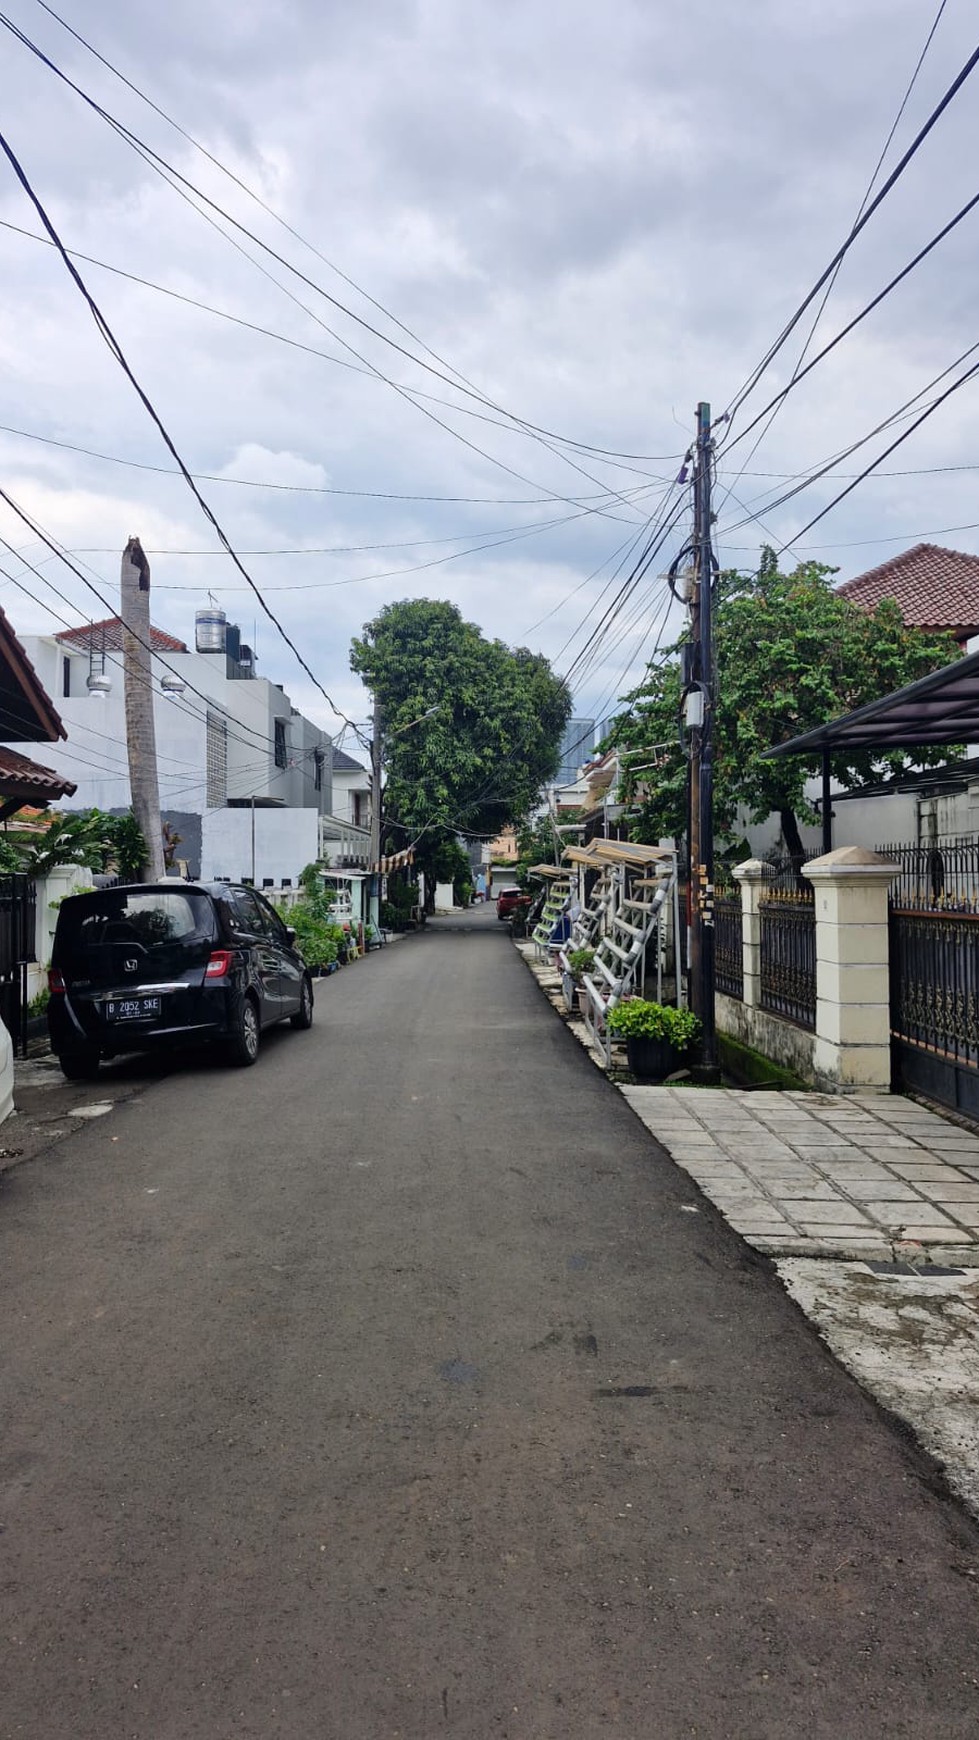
[(574, 217)]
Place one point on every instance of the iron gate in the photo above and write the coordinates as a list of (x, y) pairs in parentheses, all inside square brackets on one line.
[(18, 911), (934, 972)]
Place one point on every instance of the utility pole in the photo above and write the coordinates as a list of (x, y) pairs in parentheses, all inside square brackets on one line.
[(700, 717), (140, 726)]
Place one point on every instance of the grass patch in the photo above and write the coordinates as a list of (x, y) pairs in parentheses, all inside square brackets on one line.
[(750, 1069)]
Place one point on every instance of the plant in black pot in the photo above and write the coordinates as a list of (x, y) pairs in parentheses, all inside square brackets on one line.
[(580, 962), (656, 1036)]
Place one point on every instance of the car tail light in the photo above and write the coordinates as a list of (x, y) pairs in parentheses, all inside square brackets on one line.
[(56, 983), (219, 965)]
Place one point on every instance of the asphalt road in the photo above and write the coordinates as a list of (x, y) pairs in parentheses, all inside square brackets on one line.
[(400, 1386)]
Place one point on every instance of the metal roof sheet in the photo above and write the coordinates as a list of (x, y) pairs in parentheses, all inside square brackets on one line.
[(940, 708)]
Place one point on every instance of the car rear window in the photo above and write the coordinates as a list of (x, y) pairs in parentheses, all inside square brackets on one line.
[(155, 920)]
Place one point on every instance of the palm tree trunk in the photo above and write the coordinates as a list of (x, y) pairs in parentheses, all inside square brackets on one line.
[(140, 726)]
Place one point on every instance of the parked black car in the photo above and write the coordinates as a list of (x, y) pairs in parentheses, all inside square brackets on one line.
[(143, 966)]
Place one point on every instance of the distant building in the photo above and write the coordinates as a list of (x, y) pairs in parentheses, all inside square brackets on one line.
[(576, 748), (345, 835), (243, 776)]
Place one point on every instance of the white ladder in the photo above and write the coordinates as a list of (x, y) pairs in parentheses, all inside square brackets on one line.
[(620, 952)]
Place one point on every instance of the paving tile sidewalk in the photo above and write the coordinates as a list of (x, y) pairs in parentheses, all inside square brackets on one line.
[(815, 1175), (806, 1174)]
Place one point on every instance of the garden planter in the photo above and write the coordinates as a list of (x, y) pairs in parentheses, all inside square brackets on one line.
[(652, 1059)]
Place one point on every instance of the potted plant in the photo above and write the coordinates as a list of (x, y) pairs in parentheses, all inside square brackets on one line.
[(656, 1036), (580, 962)]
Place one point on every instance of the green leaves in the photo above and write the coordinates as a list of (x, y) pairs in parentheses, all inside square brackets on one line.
[(481, 760), (87, 837), (790, 654), (637, 1019)]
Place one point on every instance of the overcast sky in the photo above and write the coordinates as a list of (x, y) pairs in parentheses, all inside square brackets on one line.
[(591, 216)]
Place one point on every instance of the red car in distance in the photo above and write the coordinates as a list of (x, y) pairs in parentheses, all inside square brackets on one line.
[(511, 900)]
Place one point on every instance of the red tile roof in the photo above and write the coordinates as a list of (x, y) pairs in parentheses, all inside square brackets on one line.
[(19, 774), (933, 588), (29, 712), (91, 635)]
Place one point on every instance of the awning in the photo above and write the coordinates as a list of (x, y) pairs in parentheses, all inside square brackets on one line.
[(937, 709), (397, 861)]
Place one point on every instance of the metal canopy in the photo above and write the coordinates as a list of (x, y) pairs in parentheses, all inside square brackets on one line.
[(937, 709)]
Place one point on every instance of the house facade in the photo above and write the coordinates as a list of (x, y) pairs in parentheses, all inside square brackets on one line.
[(227, 741), (936, 591)]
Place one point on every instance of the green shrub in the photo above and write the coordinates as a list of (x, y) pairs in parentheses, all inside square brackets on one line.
[(638, 1019), (580, 962), (318, 938)]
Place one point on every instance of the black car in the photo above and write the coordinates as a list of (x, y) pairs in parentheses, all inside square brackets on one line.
[(136, 968)]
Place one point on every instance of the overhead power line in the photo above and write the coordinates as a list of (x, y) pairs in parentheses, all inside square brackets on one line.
[(772, 410), (45, 538), (807, 479), (360, 367), (963, 380), (303, 489), (116, 351), (239, 182), (963, 74), (169, 172), (800, 374)]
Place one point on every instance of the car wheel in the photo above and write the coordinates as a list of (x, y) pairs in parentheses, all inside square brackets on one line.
[(243, 1041), (303, 1017), (80, 1064)]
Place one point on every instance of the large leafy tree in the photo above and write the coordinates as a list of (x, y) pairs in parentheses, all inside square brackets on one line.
[(791, 654), (492, 739)]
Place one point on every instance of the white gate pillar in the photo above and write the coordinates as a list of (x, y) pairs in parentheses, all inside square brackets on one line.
[(853, 1024)]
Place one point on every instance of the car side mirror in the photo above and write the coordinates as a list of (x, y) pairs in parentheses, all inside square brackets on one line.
[(290, 935)]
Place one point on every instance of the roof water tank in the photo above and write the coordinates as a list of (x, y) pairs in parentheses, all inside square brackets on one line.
[(210, 630)]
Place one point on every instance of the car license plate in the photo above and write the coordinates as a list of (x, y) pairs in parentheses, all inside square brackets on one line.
[(131, 1008)]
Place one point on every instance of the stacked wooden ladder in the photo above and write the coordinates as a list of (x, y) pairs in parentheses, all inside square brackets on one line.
[(645, 899), (591, 915), (558, 893)]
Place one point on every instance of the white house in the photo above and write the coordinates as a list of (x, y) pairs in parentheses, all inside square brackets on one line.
[(351, 790), (243, 776)]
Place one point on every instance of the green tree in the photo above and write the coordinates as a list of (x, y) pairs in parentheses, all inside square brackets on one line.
[(791, 654), (80, 837), (493, 741)]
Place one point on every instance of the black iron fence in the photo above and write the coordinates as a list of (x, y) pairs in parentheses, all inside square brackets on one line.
[(18, 916), (788, 943), (935, 1005), (728, 956), (942, 876), (935, 982)]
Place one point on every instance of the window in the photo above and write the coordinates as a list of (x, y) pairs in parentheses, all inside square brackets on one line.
[(280, 743), (66, 676), (271, 922), (246, 915), (217, 761)]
